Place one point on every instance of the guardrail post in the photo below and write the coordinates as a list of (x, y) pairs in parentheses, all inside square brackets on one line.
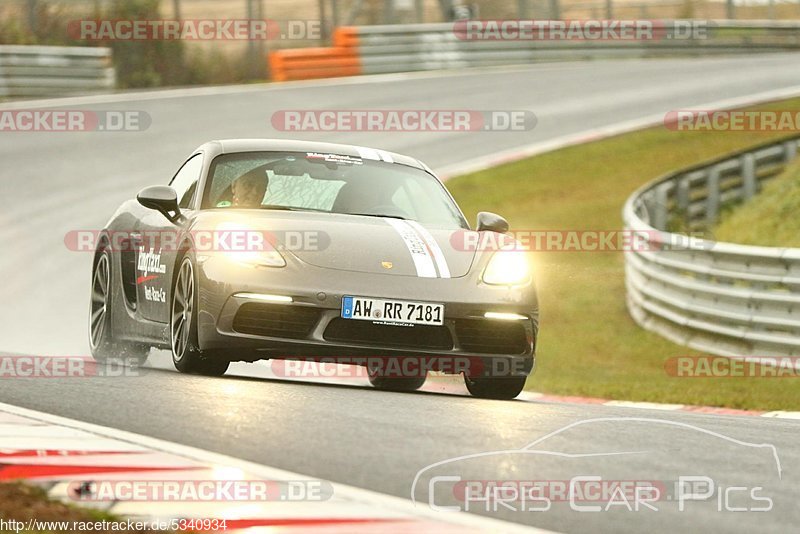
[(659, 220), (730, 10), (32, 15), (683, 197), (712, 198), (555, 10), (789, 151), (522, 9), (749, 183)]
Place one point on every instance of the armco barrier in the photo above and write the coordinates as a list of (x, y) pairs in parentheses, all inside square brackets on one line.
[(419, 47), (31, 71), (720, 298)]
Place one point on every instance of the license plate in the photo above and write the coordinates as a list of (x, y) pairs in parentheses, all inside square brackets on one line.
[(392, 311)]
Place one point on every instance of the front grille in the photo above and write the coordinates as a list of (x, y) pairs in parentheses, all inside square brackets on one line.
[(367, 333), (275, 320), (491, 337)]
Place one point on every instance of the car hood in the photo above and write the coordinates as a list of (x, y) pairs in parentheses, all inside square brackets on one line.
[(354, 243)]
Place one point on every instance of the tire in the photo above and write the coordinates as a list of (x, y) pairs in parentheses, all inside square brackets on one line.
[(503, 388), (102, 342), (395, 383), (186, 357)]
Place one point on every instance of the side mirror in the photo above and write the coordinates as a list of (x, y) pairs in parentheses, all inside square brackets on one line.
[(492, 222), (161, 198)]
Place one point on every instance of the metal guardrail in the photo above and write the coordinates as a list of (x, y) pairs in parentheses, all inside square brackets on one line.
[(720, 298), (419, 47), (31, 71), (436, 46)]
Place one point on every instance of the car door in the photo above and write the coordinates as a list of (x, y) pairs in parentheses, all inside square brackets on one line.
[(158, 243)]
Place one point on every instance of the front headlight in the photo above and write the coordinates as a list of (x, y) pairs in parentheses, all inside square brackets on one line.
[(247, 246), (507, 268), (263, 258)]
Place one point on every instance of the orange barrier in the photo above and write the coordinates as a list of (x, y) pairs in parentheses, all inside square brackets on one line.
[(342, 59)]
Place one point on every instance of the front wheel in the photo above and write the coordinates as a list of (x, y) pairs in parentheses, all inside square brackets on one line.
[(487, 387), (102, 343), (183, 327)]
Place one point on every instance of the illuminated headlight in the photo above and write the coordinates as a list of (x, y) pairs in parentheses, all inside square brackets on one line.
[(261, 258), (507, 268), (248, 246)]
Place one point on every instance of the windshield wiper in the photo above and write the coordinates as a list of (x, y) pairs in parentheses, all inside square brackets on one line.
[(289, 208), (379, 215)]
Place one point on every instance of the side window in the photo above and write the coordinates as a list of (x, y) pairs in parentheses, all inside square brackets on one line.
[(185, 182)]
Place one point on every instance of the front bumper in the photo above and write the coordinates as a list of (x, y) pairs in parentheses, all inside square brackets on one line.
[(322, 289)]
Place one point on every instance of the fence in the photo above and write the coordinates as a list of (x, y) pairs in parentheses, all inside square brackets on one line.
[(417, 47), (30, 71), (721, 298)]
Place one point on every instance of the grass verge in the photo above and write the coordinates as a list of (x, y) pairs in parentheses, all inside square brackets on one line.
[(25, 503), (588, 343), (772, 218)]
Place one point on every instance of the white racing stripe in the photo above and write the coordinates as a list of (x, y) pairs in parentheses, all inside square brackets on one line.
[(368, 153), (420, 254), (385, 156), (433, 245), (373, 154)]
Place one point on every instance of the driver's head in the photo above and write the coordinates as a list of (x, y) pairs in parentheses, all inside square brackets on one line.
[(249, 189)]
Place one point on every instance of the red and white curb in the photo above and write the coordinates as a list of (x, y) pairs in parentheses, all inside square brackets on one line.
[(709, 410), (61, 454)]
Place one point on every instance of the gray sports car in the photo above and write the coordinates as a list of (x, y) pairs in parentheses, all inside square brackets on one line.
[(290, 250)]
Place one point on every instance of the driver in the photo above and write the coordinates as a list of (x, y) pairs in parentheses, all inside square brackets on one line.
[(249, 189)]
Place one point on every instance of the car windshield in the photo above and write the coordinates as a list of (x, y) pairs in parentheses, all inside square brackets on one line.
[(331, 183)]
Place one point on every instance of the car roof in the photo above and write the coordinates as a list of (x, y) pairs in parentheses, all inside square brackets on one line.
[(234, 146)]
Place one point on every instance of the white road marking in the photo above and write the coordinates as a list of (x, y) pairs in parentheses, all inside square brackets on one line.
[(373, 504), (780, 414), (644, 405)]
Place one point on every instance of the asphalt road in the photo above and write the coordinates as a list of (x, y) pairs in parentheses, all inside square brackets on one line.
[(52, 183)]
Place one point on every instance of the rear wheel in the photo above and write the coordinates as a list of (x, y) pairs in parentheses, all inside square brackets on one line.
[(102, 343), (183, 327), (395, 383), (492, 387)]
